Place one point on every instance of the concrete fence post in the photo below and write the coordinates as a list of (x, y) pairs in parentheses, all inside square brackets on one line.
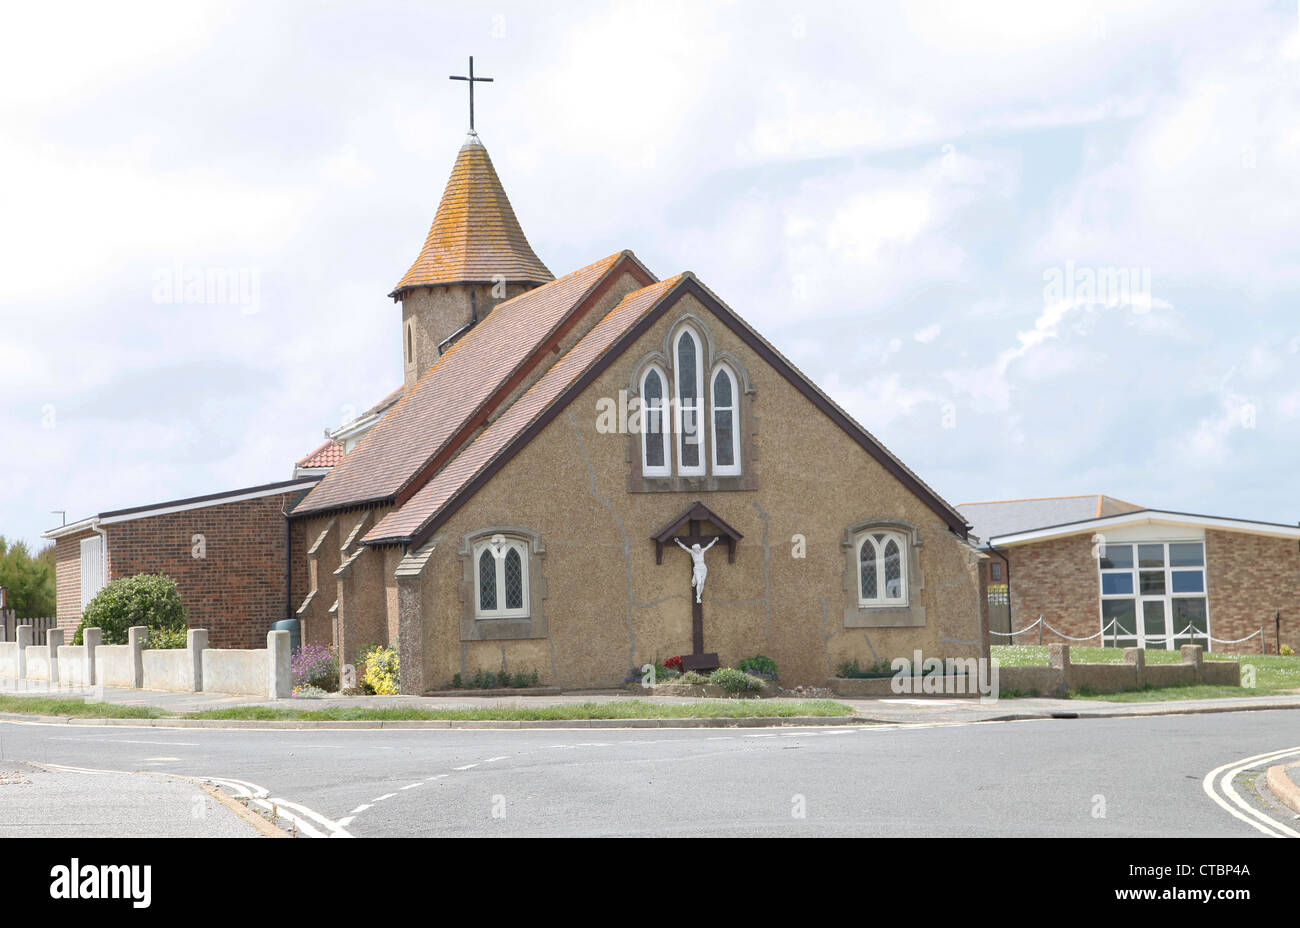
[(279, 665), (23, 634), (1138, 658), (91, 638), (196, 639), (1192, 654), (54, 641), (1058, 658), (136, 636)]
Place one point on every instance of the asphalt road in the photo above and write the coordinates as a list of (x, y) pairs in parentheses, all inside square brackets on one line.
[(1078, 777)]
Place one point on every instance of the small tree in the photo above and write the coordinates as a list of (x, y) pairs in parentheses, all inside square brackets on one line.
[(145, 599), (29, 578)]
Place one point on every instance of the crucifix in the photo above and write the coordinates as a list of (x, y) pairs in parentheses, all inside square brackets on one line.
[(695, 543), (472, 81)]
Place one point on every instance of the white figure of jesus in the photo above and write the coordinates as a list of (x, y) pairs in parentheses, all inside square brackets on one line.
[(699, 570)]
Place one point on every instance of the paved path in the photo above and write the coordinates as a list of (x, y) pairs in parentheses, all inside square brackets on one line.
[(1117, 777)]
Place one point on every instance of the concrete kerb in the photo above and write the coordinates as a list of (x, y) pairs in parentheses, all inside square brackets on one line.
[(1282, 786)]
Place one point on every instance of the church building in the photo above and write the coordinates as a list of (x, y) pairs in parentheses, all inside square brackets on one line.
[(579, 475), (522, 505)]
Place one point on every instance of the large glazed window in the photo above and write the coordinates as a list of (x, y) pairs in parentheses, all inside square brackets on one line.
[(1153, 594)]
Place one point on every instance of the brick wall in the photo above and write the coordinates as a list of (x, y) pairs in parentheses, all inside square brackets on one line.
[(1056, 579), (1250, 578), (237, 590), (67, 579)]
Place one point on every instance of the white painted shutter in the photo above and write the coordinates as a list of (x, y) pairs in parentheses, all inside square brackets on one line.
[(92, 568)]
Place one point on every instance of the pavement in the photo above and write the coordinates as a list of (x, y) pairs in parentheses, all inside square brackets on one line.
[(39, 800), (918, 710)]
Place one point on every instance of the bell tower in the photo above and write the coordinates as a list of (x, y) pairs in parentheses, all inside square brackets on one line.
[(474, 257)]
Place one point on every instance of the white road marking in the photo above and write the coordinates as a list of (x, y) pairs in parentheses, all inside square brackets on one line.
[(383, 797), (1252, 816), (303, 818), (358, 810), (413, 785), (492, 760), (466, 767)]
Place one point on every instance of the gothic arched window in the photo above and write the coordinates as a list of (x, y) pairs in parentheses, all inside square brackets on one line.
[(882, 569), (726, 423), (654, 424), (502, 572), (690, 403)]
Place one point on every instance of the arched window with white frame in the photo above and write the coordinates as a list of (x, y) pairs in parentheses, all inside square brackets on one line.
[(882, 569), (726, 422), (654, 424), (501, 568), (689, 387)]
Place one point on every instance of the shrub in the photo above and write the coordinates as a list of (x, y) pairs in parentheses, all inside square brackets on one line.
[(854, 669), (145, 599), (1287, 650), (307, 691), (317, 666), (167, 638), (736, 682), (691, 678), (382, 671), (760, 665)]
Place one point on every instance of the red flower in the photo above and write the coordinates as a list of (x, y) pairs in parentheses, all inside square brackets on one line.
[(674, 663)]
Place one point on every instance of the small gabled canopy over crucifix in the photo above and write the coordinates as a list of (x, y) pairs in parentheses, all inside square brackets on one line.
[(472, 81), (696, 544)]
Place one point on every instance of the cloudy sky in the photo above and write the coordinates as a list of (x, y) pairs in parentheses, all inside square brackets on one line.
[(1037, 248)]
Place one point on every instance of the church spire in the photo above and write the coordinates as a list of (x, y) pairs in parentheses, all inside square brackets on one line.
[(475, 237)]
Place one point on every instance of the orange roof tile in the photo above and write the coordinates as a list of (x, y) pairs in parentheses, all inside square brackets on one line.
[(432, 413), (475, 236), (327, 455)]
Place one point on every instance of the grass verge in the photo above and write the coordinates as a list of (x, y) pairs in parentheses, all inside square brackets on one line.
[(623, 709), (78, 708)]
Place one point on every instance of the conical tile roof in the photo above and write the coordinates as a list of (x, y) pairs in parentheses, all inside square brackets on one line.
[(475, 236)]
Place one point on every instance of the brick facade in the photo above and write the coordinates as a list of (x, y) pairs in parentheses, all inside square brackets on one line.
[(67, 580), (1249, 578)]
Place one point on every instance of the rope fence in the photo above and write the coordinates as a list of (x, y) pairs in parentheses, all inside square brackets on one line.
[(1189, 632)]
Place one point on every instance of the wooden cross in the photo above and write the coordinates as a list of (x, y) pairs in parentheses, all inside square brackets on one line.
[(690, 520), (472, 81)]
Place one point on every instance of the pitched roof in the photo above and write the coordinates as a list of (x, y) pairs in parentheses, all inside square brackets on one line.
[(1006, 516), (475, 464), (511, 428), (327, 455), (398, 449), (475, 236)]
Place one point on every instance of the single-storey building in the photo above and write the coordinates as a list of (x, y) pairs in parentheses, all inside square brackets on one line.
[(228, 553), (1115, 573)]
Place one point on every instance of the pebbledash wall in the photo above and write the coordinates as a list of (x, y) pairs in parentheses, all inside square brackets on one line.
[(235, 590), (1249, 579)]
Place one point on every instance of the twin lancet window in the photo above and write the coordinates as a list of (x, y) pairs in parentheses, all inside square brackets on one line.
[(678, 427), (502, 573), (882, 569)]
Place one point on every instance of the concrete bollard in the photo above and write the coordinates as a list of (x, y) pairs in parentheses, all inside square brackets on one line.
[(54, 641), (23, 633), (91, 638), (1192, 654), (136, 636), (279, 665), (196, 639)]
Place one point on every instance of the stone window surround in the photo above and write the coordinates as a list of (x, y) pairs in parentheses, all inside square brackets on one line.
[(857, 615), (473, 628), (743, 401)]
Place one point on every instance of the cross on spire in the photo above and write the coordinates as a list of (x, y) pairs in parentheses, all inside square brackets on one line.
[(472, 81)]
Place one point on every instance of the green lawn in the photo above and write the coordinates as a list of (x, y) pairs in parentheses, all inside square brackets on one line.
[(1273, 673), (622, 709)]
